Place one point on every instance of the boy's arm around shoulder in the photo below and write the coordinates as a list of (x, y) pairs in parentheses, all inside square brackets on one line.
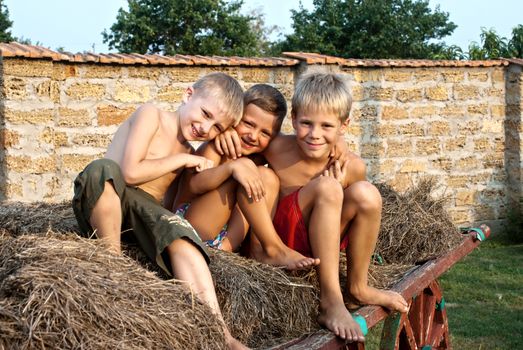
[(212, 178), (356, 170), (136, 167)]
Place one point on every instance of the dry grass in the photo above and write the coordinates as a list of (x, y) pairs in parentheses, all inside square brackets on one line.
[(65, 291)]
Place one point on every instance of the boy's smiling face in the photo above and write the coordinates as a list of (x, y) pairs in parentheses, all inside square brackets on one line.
[(256, 129), (202, 117), (317, 132)]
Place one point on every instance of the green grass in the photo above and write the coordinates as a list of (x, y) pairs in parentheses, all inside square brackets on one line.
[(484, 299)]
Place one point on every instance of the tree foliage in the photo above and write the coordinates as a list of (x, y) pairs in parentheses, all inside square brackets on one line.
[(369, 29), (5, 24), (493, 46), (206, 27)]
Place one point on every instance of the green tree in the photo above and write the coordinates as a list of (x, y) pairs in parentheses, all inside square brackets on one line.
[(369, 29), (206, 27), (515, 45), (492, 46), (5, 24)]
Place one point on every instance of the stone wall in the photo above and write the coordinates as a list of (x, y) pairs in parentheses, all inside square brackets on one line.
[(457, 121)]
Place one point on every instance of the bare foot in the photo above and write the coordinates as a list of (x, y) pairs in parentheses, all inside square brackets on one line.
[(339, 321), (386, 298), (284, 257), (235, 344)]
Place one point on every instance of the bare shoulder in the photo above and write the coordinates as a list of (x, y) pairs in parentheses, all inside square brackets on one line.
[(148, 110), (281, 143), (357, 170), (209, 151)]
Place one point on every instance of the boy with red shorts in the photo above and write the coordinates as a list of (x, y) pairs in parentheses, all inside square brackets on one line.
[(323, 205)]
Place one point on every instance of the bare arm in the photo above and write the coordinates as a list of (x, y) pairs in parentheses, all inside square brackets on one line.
[(242, 170), (351, 170), (135, 167), (212, 178)]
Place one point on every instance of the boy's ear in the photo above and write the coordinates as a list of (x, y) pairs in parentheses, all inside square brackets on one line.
[(188, 93), (293, 119), (344, 126)]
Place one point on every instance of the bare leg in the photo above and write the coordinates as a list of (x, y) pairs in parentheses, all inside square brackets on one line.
[(362, 210), (237, 228), (271, 249), (210, 211), (106, 218), (321, 201), (189, 265)]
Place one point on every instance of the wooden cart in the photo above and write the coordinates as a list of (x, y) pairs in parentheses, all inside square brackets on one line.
[(424, 327)]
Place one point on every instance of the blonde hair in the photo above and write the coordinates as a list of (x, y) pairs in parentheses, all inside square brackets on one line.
[(322, 91), (226, 89)]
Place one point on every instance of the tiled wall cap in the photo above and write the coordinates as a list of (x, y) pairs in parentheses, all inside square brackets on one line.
[(315, 58), (14, 49)]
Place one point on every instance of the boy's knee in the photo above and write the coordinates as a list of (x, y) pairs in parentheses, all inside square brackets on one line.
[(365, 195), (328, 188)]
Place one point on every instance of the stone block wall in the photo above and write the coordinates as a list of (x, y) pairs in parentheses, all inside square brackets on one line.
[(456, 120)]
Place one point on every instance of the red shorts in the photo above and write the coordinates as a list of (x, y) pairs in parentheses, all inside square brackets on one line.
[(288, 222)]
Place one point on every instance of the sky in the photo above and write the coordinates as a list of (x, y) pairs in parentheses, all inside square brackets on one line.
[(76, 25)]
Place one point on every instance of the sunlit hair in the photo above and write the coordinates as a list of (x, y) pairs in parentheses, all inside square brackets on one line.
[(324, 92), (268, 99), (226, 89)]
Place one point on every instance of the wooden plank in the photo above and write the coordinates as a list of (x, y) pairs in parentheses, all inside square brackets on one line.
[(409, 286)]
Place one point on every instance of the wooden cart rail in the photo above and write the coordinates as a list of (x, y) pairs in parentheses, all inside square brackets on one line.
[(424, 327)]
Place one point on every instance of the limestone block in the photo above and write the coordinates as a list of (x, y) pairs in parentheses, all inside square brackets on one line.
[(26, 164), (409, 95), (438, 93), (27, 67), (112, 115), (83, 91), (255, 75), (411, 129), (439, 128), (73, 117), (392, 112), (401, 75), (466, 92), (129, 92), (100, 71), (423, 112), (428, 146), (184, 74), (171, 94), (35, 117), (453, 75), (15, 88)]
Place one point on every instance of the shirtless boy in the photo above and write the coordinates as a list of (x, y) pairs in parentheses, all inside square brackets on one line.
[(323, 208), (212, 193), (124, 191)]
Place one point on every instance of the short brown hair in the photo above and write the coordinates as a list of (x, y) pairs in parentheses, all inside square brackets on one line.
[(268, 99), (322, 91), (226, 89)]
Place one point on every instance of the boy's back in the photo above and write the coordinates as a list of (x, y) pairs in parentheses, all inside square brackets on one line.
[(159, 135)]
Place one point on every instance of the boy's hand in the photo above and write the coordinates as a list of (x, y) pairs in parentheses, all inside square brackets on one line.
[(338, 171), (246, 173), (340, 152), (228, 143), (198, 162)]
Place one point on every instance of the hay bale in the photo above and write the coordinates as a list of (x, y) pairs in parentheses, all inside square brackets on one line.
[(415, 226), (39, 217), (65, 292), (262, 304)]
